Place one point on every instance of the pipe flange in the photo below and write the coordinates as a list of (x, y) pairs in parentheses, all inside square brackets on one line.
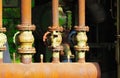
[(56, 49), (26, 50), (3, 29), (81, 28), (24, 27), (55, 28), (118, 36), (3, 48), (84, 48)]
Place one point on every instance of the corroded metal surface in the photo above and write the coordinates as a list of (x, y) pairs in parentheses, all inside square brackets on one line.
[(26, 22), (26, 27), (53, 35), (26, 48), (26, 11), (81, 10), (3, 37), (0, 13), (25, 37), (3, 29), (81, 38), (55, 13), (50, 70)]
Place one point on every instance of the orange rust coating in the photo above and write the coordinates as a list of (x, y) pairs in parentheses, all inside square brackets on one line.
[(50, 70), (26, 12), (1, 60), (0, 13), (81, 12), (55, 13)]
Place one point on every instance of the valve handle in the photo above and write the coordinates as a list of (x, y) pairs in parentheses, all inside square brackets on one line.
[(45, 39), (71, 37)]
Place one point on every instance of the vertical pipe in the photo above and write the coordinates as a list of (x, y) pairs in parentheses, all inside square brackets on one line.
[(56, 37), (55, 13), (26, 11), (1, 56), (0, 13), (81, 22), (14, 57), (118, 39), (26, 38), (81, 36), (118, 32), (81, 18), (3, 37), (1, 53)]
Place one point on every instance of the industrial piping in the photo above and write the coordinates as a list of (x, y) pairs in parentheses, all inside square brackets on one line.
[(27, 69)]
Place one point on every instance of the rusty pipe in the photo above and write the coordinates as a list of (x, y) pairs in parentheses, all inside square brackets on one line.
[(81, 19), (26, 11), (0, 13), (55, 13), (55, 33), (81, 36), (3, 37), (2, 29), (26, 38), (50, 70)]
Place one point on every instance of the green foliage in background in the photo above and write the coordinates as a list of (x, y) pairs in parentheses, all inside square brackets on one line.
[(11, 18)]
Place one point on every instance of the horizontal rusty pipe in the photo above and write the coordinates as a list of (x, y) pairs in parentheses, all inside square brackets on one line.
[(50, 70)]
